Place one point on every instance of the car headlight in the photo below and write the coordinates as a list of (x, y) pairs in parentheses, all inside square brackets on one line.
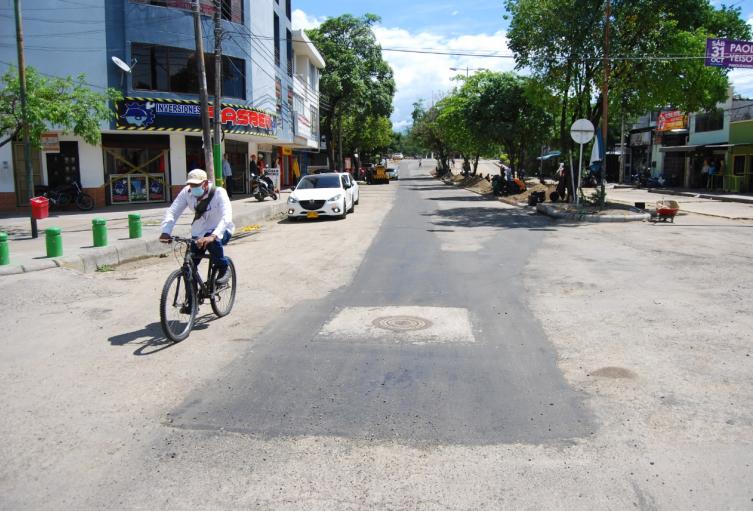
[(292, 200), (335, 198)]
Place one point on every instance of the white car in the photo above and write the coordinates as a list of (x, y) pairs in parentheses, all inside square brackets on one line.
[(393, 172), (354, 190), (318, 195)]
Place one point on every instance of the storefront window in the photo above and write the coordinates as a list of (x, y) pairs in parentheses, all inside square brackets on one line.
[(136, 168)]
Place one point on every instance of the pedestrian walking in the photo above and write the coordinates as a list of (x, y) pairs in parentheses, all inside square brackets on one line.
[(227, 175)]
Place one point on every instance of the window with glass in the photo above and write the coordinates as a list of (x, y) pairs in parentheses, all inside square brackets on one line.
[(738, 165), (167, 69), (136, 167), (289, 48), (276, 29), (709, 121), (231, 10)]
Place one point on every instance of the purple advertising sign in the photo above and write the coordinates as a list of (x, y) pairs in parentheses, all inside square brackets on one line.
[(726, 53)]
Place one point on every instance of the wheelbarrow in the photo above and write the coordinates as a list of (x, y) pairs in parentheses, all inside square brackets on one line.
[(666, 210)]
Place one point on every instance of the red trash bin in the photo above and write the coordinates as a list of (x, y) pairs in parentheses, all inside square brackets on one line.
[(40, 207)]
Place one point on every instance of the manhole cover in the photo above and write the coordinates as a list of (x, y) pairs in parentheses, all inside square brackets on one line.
[(401, 323)]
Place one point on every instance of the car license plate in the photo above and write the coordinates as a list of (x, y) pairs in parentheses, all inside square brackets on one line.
[(312, 214)]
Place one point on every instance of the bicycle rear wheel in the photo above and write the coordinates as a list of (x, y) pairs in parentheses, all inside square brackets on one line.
[(223, 297), (178, 306)]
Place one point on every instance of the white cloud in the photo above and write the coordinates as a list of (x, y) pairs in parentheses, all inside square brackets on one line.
[(302, 20), (454, 13), (428, 76)]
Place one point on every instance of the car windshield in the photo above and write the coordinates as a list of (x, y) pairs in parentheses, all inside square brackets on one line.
[(311, 182)]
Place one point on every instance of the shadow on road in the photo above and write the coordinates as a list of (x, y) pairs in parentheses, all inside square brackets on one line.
[(151, 339), (489, 217)]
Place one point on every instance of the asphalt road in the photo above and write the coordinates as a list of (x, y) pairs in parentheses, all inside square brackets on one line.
[(435, 350), (495, 381)]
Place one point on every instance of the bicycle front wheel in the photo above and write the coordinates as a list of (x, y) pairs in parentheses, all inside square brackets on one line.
[(84, 202), (223, 296), (178, 306)]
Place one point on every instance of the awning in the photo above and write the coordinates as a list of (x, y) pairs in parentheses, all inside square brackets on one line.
[(680, 148), (727, 146)]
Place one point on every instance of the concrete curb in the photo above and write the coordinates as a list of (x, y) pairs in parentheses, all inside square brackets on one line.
[(701, 196), (560, 215), (131, 250)]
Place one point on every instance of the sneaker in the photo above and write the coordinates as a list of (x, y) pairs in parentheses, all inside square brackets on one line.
[(223, 277)]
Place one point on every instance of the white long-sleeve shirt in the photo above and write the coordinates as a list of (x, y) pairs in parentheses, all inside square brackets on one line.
[(217, 219)]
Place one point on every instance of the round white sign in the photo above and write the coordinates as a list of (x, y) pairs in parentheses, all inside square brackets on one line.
[(582, 131)]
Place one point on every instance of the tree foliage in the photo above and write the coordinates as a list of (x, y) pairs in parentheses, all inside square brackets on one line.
[(562, 41), (357, 82), (490, 112), (67, 104)]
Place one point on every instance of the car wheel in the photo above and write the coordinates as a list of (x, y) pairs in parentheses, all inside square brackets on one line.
[(352, 207), (358, 198), (345, 209)]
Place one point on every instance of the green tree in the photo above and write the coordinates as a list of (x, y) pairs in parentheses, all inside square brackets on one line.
[(431, 134), (356, 81), (561, 42), (500, 111), (67, 104), (366, 136)]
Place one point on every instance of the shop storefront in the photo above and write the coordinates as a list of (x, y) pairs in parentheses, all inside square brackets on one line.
[(136, 168), (640, 150), (138, 164), (238, 157)]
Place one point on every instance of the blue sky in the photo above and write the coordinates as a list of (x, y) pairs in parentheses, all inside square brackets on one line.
[(476, 25)]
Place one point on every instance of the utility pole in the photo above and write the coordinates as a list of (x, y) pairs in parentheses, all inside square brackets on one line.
[(219, 178), (203, 90), (605, 104), (24, 110)]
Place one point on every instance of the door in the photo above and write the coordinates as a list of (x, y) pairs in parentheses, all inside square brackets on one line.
[(237, 155), (19, 172), (62, 167)]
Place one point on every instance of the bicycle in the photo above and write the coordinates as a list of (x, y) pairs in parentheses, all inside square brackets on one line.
[(184, 291)]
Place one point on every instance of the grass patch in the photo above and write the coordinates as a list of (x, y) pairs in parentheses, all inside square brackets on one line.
[(102, 268)]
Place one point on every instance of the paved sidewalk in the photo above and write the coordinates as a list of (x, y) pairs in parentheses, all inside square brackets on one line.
[(688, 204), (28, 254)]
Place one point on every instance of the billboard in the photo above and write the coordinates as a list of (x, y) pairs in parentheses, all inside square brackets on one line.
[(729, 53), (674, 120), (149, 114)]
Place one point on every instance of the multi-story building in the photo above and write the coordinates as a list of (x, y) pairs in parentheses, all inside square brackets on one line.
[(155, 140), (307, 64)]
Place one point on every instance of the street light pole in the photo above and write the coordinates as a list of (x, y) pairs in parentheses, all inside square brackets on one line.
[(24, 110)]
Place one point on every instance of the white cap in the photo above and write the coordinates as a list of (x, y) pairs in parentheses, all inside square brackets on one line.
[(196, 177)]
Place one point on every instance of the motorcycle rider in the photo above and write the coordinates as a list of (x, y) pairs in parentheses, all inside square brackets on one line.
[(213, 220)]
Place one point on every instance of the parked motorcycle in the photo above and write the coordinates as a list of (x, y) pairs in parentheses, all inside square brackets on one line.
[(62, 196), (643, 179), (262, 187)]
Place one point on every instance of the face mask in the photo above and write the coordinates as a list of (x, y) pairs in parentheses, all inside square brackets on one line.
[(198, 191)]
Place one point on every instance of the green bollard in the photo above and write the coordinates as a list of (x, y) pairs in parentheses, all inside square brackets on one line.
[(54, 241), (134, 225), (4, 249), (99, 232)]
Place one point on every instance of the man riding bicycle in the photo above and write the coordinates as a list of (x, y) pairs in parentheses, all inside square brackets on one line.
[(212, 225)]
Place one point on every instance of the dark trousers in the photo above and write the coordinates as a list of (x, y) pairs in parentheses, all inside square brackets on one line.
[(229, 185), (216, 252)]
